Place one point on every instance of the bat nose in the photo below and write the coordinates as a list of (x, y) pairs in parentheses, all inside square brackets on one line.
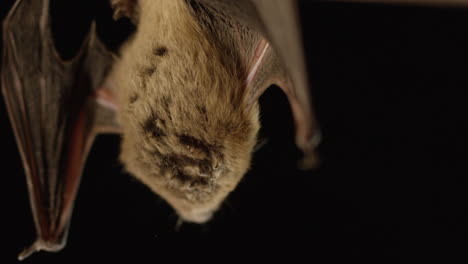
[(197, 216)]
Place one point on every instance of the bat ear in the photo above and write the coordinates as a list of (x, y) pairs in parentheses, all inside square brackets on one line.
[(125, 8)]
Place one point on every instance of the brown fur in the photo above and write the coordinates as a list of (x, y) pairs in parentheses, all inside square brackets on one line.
[(188, 134)]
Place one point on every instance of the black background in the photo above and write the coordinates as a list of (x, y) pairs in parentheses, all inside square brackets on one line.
[(388, 84)]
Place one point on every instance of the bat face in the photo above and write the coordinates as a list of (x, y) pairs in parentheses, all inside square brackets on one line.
[(193, 169), (187, 133)]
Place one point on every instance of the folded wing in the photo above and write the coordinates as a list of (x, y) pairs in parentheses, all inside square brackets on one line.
[(54, 114)]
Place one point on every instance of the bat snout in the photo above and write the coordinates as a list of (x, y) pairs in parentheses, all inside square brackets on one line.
[(198, 216)]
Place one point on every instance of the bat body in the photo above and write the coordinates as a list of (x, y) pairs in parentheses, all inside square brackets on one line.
[(183, 93), (183, 87)]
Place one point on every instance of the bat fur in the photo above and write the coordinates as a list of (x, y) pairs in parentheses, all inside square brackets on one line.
[(188, 131), (186, 85)]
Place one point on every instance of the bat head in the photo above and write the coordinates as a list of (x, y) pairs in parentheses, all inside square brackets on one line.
[(187, 132), (190, 153)]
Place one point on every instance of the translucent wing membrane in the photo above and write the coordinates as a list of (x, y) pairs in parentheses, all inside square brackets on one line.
[(54, 114)]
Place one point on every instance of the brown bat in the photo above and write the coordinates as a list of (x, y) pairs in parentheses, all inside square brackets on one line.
[(183, 92)]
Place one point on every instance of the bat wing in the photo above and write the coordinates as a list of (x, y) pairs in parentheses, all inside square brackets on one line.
[(278, 59), (55, 112), (285, 66), (284, 63)]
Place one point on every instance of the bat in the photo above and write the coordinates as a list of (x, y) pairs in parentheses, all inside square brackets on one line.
[(190, 155), (183, 92)]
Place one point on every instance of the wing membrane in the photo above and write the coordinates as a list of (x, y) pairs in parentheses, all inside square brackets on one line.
[(53, 114)]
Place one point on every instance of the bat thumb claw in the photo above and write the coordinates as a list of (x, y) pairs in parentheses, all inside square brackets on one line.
[(29, 251), (38, 246)]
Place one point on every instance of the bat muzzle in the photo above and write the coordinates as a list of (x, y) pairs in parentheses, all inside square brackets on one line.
[(198, 216)]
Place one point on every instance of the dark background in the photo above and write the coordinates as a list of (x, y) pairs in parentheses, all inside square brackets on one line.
[(388, 83)]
